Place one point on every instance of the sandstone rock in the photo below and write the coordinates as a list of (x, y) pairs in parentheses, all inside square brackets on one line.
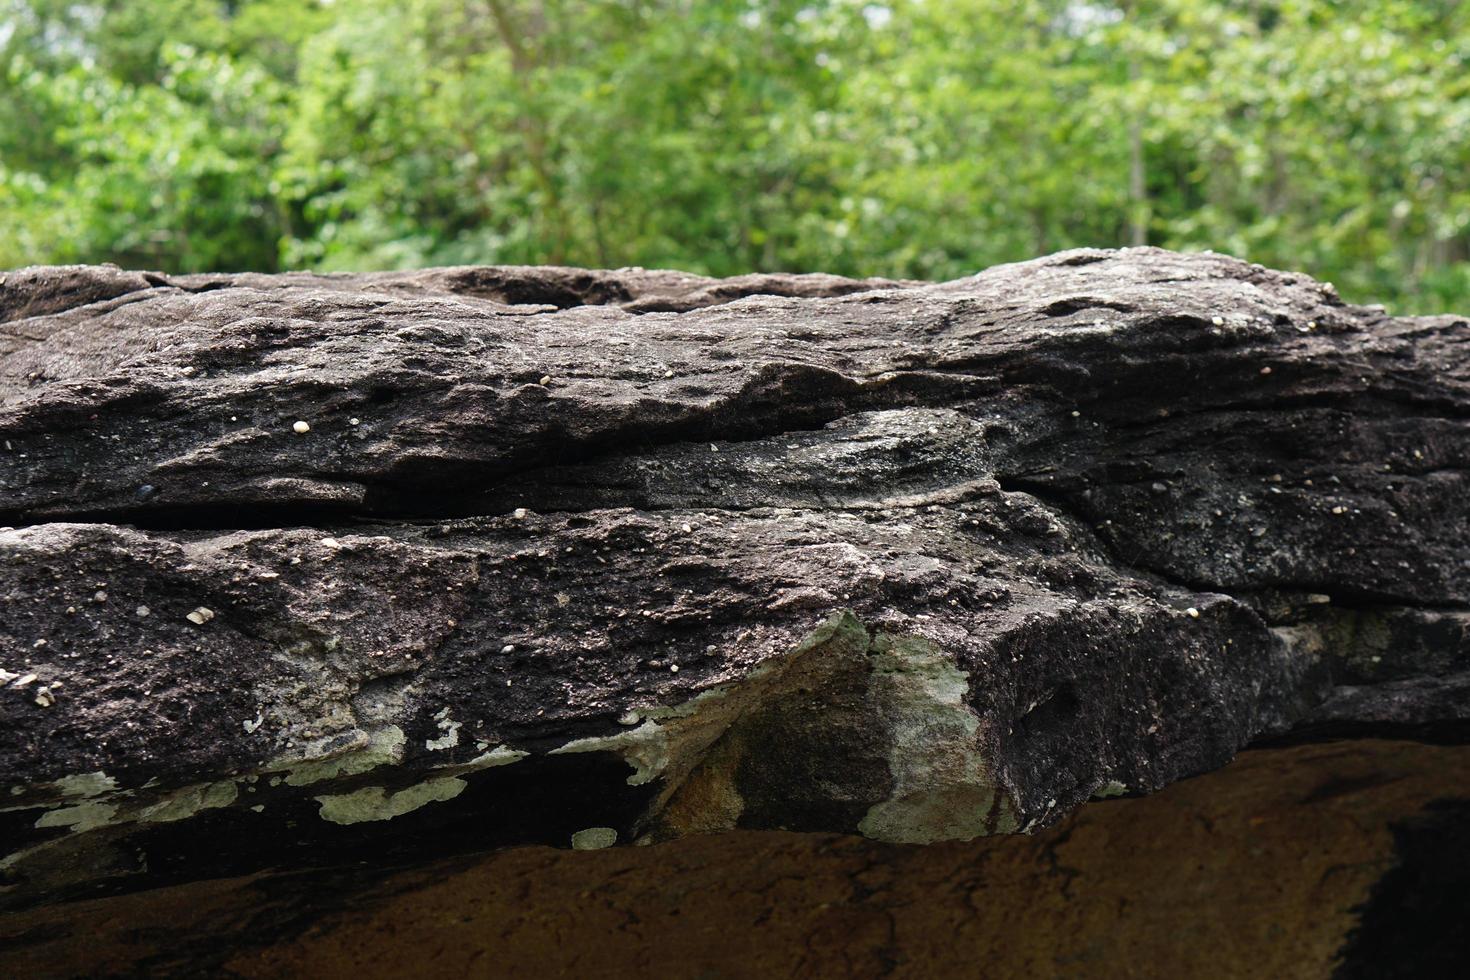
[(646, 555), (1289, 863)]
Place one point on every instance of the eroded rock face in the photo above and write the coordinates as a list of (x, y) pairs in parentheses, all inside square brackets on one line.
[(400, 565)]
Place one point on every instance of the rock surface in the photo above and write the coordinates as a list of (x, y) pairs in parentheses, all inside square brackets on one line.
[(1290, 863), (402, 565)]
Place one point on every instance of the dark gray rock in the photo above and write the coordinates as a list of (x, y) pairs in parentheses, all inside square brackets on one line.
[(634, 555)]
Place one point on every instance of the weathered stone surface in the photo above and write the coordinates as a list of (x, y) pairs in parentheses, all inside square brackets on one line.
[(564, 557)]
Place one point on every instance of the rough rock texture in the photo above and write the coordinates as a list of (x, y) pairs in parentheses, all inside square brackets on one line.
[(394, 566)]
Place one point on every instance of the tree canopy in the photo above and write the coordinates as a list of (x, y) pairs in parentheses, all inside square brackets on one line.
[(903, 138)]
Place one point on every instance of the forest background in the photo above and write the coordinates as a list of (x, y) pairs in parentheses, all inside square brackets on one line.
[(907, 138)]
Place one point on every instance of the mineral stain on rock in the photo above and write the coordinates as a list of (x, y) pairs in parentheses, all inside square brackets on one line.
[(445, 561)]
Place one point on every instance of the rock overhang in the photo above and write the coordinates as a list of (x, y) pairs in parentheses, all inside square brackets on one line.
[(915, 561)]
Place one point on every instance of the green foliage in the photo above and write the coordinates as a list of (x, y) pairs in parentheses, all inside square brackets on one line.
[(903, 138)]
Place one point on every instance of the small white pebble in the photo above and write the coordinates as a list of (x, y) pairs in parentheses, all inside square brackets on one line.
[(668, 374), (39, 644), (354, 421), (1218, 321), (1266, 370), (330, 543), (1192, 613), (508, 648), (545, 380), (519, 513), (673, 668), (686, 528), (142, 611), (200, 616), (45, 698), (300, 427), (1076, 414), (1339, 510)]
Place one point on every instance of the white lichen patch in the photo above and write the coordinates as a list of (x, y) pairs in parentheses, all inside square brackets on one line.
[(594, 838), (645, 748), (501, 755), (384, 747), (85, 784), (185, 803), (79, 818), (943, 782), (376, 803), (63, 791), (449, 729)]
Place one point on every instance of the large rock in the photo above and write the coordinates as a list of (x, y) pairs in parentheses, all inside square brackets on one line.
[(385, 567)]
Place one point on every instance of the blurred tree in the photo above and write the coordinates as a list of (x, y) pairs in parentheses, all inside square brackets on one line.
[(905, 137)]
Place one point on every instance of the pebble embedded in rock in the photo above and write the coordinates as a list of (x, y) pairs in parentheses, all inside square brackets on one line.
[(594, 838), (200, 616), (301, 427)]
